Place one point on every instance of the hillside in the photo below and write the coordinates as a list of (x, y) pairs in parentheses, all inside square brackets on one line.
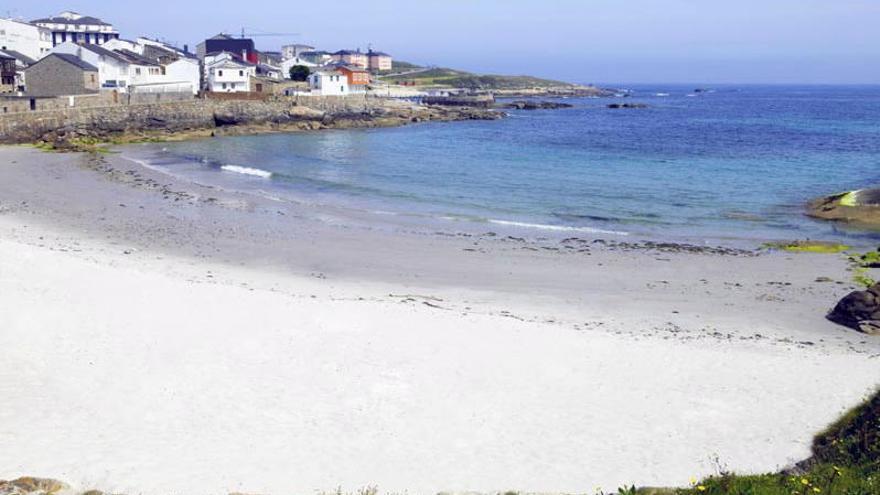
[(439, 77)]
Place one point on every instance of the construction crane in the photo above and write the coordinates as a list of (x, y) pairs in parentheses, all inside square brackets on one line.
[(245, 34)]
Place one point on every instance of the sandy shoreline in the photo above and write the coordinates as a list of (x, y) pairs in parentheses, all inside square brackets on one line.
[(168, 337)]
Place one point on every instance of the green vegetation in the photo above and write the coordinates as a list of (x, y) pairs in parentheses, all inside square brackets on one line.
[(299, 73), (862, 278), (845, 461), (871, 259), (398, 65), (808, 247), (861, 263), (441, 77)]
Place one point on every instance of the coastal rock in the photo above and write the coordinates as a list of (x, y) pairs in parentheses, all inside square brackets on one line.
[(860, 207), (477, 101), (627, 105), (860, 311), (68, 128), (535, 105), (31, 486)]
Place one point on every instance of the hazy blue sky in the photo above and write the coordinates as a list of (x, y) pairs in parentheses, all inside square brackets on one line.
[(708, 41)]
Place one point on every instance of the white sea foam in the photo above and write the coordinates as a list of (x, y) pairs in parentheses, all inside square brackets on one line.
[(558, 228), (247, 171)]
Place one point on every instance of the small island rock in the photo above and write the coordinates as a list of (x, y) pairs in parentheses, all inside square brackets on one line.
[(860, 207)]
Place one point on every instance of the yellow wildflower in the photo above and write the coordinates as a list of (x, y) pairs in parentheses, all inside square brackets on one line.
[(693, 480), (816, 489), (701, 488), (805, 481)]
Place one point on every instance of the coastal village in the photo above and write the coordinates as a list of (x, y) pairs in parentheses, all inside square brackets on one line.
[(74, 56)]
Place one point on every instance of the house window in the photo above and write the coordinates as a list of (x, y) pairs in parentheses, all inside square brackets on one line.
[(137, 71), (92, 77), (241, 73), (220, 73), (224, 85)]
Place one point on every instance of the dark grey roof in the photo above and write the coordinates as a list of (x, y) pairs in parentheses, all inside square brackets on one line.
[(63, 20), (19, 56), (71, 59), (348, 52), (377, 54), (135, 58), (100, 50), (124, 56)]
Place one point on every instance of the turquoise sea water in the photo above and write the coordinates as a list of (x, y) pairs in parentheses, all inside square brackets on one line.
[(732, 163)]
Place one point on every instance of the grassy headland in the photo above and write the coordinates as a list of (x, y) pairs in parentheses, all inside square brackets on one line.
[(439, 77)]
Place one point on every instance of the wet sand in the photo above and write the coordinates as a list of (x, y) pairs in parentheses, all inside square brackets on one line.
[(167, 336)]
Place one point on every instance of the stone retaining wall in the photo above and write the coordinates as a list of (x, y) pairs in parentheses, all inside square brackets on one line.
[(99, 122)]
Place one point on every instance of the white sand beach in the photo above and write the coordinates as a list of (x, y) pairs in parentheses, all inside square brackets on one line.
[(156, 346)]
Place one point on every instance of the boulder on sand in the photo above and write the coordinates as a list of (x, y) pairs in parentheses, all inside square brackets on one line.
[(860, 207), (859, 311)]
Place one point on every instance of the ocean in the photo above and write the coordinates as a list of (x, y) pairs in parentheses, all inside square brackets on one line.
[(732, 164)]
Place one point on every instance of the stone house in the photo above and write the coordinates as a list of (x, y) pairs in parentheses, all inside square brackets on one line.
[(117, 69), (60, 74)]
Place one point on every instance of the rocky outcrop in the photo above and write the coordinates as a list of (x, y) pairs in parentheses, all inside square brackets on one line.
[(861, 207), (859, 311), (535, 105), (31, 486), (476, 101), (62, 128), (627, 105)]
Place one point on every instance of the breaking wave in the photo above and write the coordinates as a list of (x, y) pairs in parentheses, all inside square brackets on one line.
[(256, 172), (557, 228)]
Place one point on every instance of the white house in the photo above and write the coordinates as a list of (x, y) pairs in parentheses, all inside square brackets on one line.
[(123, 44), (117, 70), (328, 83), (29, 40), (289, 63), (224, 73), (293, 51), (77, 28), (179, 69), (185, 70)]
